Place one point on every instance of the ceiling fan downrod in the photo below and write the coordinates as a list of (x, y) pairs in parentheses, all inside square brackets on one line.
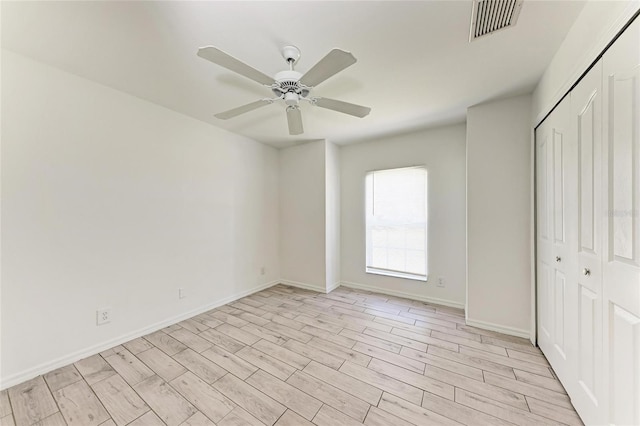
[(291, 54)]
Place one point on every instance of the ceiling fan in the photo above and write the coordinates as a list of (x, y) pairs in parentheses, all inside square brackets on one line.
[(289, 85)]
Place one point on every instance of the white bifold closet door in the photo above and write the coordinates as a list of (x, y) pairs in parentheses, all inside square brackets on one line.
[(556, 241), (586, 122), (588, 237), (621, 228)]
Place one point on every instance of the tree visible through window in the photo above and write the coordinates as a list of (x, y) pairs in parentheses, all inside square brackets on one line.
[(396, 216)]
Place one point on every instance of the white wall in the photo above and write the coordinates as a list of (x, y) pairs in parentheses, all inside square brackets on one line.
[(499, 215), (111, 201), (442, 151), (332, 220), (302, 215), (594, 28)]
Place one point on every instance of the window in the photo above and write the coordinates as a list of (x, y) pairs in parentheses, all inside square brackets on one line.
[(396, 209)]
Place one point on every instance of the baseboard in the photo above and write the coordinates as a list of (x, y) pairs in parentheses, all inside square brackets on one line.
[(511, 331), (303, 285), (434, 300), (333, 287), (46, 367)]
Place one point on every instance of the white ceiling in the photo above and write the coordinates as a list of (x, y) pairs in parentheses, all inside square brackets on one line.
[(415, 69)]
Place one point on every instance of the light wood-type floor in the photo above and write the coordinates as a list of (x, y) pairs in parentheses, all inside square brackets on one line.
[(292, 357)]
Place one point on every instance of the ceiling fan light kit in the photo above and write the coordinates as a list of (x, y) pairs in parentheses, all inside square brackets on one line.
[(289, 85)]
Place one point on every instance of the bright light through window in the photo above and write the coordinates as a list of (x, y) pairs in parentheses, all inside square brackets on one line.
[(396, 209)]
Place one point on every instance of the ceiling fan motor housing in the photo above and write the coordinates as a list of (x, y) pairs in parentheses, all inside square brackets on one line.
[(287, 82)]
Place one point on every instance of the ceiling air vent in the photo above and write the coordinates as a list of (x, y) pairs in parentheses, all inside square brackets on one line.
[(489, 16)]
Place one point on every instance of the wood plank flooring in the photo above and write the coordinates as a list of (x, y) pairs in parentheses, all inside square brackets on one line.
[(291, 357)]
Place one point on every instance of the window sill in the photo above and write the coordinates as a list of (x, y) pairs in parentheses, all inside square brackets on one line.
[(397, 274)]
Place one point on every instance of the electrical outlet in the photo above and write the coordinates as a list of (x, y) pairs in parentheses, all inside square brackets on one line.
[(440, 282), (103, 316), (263, 270), (181, 293)]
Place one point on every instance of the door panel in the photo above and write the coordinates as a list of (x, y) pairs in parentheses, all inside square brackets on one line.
[(558, 186), (586, 116), (621, 195), (545, 303), (543, 266), (543, 189), (623, 89), (559, 315), (625, 361), (589, 345), (588, 130), (556, 202)]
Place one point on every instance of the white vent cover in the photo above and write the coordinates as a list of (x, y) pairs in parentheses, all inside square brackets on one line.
[(489, 16)]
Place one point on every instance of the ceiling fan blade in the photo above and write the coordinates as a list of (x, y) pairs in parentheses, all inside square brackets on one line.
[(333, 63), (242, 109), (227, 61), (344, 107), (294, 119)]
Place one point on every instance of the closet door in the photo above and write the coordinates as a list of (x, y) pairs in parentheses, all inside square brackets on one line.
[(557, 240), (621, 248), (586, 116)]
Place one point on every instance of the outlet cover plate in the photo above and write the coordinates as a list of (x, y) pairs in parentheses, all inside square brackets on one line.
[(103, 316)]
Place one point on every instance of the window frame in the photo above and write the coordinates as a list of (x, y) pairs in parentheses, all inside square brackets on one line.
[(368, 243)]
